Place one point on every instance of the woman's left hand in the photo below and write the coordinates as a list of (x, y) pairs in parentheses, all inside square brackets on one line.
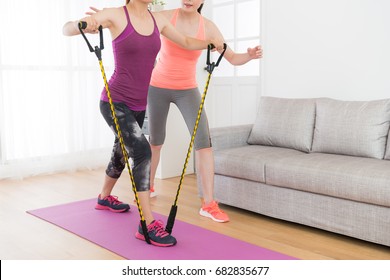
[(255, 53), (94, 10)]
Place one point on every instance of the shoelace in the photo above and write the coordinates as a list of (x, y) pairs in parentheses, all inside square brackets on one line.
[(114, 200), (158, 228)]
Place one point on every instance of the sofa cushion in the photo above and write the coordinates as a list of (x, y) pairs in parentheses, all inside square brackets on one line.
[(248, 162), (230, 136), (356, 128), (284, 122), (387, 154), (354, 178)]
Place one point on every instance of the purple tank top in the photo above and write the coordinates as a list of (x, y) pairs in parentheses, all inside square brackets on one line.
[(134, 56)]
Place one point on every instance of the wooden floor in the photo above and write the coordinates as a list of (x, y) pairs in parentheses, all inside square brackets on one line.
[(23, 236)]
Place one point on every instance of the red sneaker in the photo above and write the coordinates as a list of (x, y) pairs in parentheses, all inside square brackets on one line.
[(213, 212), (152, 192)]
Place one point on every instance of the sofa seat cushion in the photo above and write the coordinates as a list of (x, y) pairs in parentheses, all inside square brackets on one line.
[(355, 178), (248, 162)]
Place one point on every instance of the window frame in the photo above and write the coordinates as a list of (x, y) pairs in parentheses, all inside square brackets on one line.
[(236, 40)]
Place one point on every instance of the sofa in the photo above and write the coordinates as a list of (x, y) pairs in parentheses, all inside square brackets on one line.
[(319, 162)]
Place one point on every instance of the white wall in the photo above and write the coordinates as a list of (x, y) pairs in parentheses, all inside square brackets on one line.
[(334, 48), (172, 4)]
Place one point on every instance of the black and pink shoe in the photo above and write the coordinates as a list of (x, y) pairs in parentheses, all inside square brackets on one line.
[(112, 203), (157, 235)]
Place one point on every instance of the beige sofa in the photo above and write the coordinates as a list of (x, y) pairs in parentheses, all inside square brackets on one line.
[(320, 162)]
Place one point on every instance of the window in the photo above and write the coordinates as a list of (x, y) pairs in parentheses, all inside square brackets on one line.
[(236, 90), (49, 88), (239, 22)]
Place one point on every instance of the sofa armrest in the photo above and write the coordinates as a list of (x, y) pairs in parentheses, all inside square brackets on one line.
[(230, 137)]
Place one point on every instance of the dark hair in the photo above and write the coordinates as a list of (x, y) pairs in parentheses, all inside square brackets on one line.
[(127, 2), (200, 8)]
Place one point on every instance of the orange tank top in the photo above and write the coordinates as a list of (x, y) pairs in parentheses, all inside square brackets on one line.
[(176, 66)]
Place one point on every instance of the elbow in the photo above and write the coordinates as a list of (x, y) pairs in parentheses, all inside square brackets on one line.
[(236, 61), (69, 29), (64, 31), (233, 61), (186, 44)]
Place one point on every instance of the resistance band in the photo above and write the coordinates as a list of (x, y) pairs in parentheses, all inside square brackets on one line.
[(98, 51), (210, 68)]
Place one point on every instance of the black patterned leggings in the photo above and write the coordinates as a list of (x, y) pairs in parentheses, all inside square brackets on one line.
[(137, 146)]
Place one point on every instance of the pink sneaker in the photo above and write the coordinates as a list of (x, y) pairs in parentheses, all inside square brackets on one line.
[(111, 203), (157, 235), (213, 212)]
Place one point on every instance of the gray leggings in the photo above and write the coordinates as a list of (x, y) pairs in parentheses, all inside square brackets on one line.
[(188, 102)]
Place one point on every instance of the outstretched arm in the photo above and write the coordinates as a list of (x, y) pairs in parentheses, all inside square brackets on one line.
[(93, 21), (230, 55), (242, 58), (71, 27), (169, 31)]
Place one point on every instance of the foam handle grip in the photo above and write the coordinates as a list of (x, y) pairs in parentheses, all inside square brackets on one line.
[(82, 24), (145, 231), (171, 219)]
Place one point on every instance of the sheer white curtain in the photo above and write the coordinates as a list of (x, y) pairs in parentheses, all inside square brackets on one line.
[(49, 90)]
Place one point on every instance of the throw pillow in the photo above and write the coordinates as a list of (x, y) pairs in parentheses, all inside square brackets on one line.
[(356, 128), (284, 122)]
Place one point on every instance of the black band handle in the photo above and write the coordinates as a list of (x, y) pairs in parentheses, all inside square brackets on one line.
[(145, 231), (97, 50), (171, 219), (210, 66), (82, 24)]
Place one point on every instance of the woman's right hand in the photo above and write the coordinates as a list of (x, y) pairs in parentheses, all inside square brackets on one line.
[(92, 25), (218, 44), (91, 13)]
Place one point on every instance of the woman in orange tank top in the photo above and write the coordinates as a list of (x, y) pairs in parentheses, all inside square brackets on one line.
[(174, 81)]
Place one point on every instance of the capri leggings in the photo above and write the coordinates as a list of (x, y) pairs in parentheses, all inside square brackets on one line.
[(188, 102), (136, 144)]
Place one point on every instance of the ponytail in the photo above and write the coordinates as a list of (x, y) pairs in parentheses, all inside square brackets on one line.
[(200, 8)]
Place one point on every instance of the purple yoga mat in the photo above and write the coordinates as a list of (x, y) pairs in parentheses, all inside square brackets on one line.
[(115, 232)]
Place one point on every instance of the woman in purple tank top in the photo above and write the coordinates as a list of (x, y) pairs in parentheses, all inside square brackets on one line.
[(135, 36)]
